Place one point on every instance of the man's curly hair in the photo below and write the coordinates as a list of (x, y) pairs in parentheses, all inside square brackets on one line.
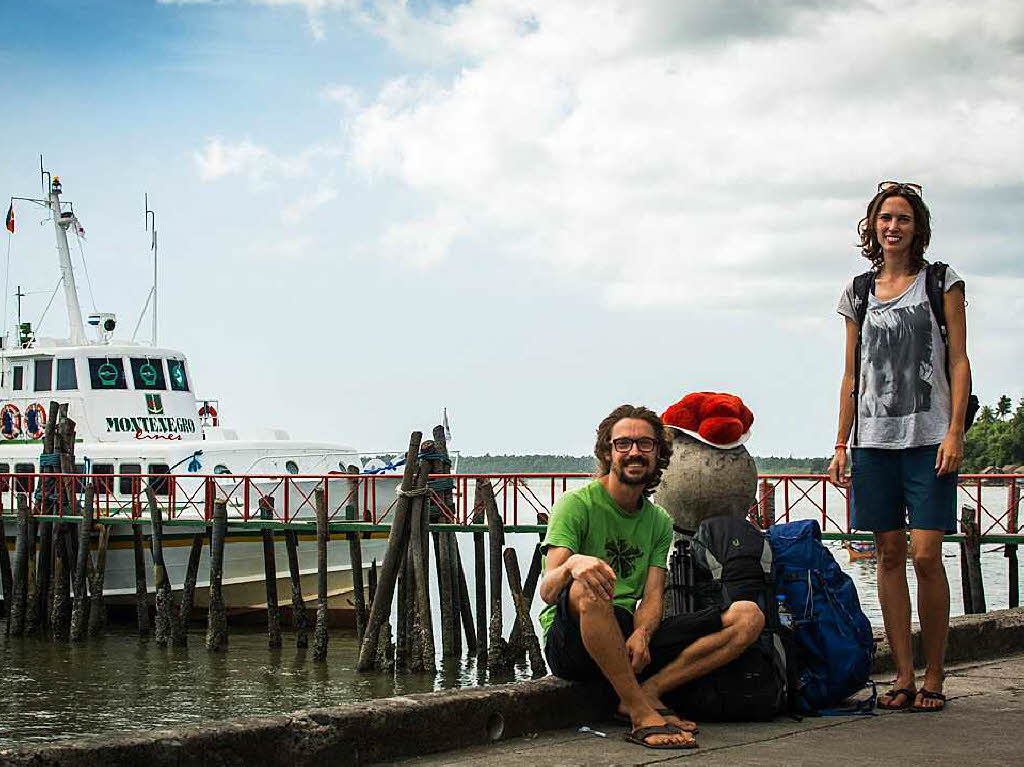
[(871, 248), (603, 445)]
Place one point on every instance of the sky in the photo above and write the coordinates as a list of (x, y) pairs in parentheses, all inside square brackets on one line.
[(525, 211)]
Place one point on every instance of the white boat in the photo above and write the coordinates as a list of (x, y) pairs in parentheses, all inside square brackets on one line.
[(137, 417)]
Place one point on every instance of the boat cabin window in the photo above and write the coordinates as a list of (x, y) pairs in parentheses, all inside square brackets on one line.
[(221, 469), (176, 371), (159, 484), (107, 373), (104, 485), (5, 479), (24, 484), (67, 377), (43, 379), (17, 377), (148, 373), (291, 467), (127, 484)]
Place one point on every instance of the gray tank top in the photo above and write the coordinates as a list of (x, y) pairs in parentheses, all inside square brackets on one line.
[(903, 393)]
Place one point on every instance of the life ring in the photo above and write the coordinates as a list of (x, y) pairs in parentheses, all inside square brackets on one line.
[(10, 421), (35, 420), (209, 411)]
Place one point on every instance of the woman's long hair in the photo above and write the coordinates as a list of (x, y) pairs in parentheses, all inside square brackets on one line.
[(871, 248), (603, 445)]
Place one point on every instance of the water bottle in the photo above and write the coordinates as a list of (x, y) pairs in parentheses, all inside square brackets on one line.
[(785, 614)]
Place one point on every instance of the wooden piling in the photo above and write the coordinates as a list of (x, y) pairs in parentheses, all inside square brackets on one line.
[(355, 558), (971, 554), (141, 597), (497, 650), (423, 655), (97, 603), (19, 592), (1010, 551), (37, 616), (80, 608), (323, 535), (6, 573), (446, 545), (371, 583), (380, 607), (529, 638), (300, 620), (516, 638), (480, 575), (216, 613), (188, 592), (60, 604), (465, 608), (166, 617), (270, 574), (403, 618)]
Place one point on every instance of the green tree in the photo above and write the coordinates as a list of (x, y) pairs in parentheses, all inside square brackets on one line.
[(1003, 406), (987, 415)]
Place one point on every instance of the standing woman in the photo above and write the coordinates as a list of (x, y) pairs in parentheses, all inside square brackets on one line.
[(905, 410)]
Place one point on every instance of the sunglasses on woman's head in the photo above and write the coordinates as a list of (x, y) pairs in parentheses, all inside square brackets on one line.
[(914, 189)]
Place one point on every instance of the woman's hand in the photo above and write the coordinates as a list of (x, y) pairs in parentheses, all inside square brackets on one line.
[(950, 454), (837, 469)]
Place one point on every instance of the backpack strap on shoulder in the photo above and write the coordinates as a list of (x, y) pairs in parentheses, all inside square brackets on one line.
[(863, 285), (934, 285)]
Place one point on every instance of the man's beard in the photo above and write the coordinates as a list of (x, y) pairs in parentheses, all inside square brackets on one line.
[(626, 479)]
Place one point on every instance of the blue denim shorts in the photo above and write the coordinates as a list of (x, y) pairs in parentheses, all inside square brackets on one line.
[(890, 486)]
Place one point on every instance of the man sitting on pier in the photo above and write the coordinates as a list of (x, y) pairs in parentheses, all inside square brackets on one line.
[(606, 559)]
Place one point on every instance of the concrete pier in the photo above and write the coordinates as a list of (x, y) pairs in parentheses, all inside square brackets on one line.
[(539, 720)]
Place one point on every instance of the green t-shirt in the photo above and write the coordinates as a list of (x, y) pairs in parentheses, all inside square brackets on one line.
[(587, 521)]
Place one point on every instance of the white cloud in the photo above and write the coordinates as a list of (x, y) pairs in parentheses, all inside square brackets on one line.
[(301, 208), (221, 158), (689, 151)]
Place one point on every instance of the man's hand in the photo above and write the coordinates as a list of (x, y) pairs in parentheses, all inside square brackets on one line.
[(595, 575), (637, 650)]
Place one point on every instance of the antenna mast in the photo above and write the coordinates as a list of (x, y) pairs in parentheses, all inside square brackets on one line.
[(61, 222), (151, 216)]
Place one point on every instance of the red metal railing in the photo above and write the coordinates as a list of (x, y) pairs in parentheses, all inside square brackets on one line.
[(523, 499)]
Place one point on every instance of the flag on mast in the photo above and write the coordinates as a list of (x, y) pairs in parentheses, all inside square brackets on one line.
[(444, 421), (10, 219)]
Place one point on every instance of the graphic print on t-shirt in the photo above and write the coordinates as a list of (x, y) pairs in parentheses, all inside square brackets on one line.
[(622, 556), (896, 366)]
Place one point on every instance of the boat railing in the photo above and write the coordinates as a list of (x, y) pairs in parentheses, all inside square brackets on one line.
[(524, 499)]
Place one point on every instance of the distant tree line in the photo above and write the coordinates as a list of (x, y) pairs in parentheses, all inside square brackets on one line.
[(996, 439), (497, 464)]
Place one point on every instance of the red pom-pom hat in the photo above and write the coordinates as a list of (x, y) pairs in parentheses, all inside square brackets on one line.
[(718, 419)]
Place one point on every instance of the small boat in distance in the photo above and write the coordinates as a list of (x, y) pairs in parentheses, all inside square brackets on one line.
[(137, 417)]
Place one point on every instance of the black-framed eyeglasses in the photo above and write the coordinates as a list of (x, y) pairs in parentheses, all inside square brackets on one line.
[(625, 444), (903, 186)]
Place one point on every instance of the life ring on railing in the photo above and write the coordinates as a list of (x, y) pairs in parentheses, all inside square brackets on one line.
[(35, 420), (209, 411), (10, 421)]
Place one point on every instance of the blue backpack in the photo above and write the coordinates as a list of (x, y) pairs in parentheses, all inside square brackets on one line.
[(833, 637)]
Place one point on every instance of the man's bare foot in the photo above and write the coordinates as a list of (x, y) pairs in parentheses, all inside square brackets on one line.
[(651, 718)]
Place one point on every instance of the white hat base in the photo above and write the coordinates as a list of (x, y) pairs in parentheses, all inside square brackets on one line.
[(727, 446)]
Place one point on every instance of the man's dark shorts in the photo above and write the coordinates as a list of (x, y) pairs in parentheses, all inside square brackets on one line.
[(569, 659)]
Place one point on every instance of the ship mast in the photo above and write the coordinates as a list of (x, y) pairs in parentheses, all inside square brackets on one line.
[(61, 222)]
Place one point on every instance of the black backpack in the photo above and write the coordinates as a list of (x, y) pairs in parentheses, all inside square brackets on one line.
[(732, 561), (934, 284)]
